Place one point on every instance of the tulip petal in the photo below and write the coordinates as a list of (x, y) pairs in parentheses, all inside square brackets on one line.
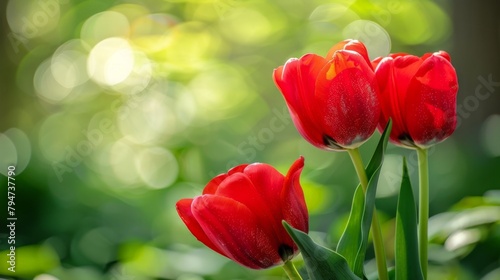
[(377, 61), (297, 78), (444, 55), (337, 47), (296, 81), (183, 208), (350, 45), (406, 67), (270, 184), (394, 74), (390, 101), (431, 101), (347, 90), (242, 189), (292, 196), (237, 169), (213, 184), (235, 229)]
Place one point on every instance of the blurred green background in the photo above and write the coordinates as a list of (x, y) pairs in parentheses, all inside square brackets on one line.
[(113, 110)]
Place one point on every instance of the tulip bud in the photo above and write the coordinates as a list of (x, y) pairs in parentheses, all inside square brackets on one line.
[(333, 101), (419, 94), (240, 214)]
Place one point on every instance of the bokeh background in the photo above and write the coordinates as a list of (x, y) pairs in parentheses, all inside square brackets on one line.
[(111, 111)]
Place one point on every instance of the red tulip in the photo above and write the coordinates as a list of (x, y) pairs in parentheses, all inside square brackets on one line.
[(239, 214), (333, 100), (419, 94)]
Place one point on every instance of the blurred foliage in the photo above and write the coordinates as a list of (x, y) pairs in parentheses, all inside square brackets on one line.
[(114, 110)]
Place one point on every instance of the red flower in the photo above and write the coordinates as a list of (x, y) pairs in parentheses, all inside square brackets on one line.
[(419, 94), (333, 100), (239, 214)]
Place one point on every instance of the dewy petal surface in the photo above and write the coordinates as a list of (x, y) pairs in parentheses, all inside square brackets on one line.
[(234, 228), (240, 215), (347, 89), (311, 86), (406, 66), (268, 183), (419, 94), (431, 101), (240, 188)]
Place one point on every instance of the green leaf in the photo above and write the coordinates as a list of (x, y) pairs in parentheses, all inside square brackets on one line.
[(376, 161), (407, 260), (321, 263), (354, 240)]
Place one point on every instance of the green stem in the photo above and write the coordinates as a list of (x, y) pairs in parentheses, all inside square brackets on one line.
[(423, 214), (378, 243), (360, 167), (291, 271)]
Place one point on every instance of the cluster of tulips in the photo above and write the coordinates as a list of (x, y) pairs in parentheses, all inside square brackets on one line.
[(258, 217)]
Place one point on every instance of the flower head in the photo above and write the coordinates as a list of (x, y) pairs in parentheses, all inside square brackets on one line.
[(419, 94), (239, 214), (333, 100)]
